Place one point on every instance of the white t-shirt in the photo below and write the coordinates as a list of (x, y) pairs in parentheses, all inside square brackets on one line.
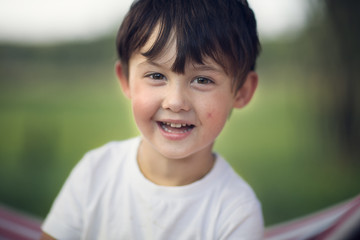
[(107, 197)]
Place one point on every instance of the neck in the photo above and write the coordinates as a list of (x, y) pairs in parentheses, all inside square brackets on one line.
[(173, 172)]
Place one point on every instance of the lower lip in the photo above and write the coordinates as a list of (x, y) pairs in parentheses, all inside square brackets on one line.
[(174, 136)]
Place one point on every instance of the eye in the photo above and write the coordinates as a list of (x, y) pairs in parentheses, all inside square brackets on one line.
[(156, 76), (202, 80)]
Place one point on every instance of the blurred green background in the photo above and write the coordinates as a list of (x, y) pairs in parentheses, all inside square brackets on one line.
[(296, 143)]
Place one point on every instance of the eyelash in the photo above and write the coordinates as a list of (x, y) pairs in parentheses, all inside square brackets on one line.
[(155, 76), (203, 79), (197, 80)]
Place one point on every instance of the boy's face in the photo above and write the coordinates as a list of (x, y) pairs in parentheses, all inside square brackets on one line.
[(180, 115)]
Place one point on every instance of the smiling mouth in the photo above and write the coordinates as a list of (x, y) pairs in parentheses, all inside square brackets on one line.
[(176, 127)]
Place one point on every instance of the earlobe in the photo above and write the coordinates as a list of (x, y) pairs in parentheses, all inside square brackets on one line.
[(246, 92), (124, 82)]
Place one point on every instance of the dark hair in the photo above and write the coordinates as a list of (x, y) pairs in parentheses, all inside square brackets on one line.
[(224, 30)]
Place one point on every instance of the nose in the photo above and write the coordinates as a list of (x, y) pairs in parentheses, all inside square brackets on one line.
[(176, 99)]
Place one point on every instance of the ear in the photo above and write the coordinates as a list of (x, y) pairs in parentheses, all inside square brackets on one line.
[(246, 92), (124, 81)]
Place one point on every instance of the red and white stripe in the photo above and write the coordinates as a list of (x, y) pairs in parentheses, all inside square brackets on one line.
[(18, 226), (333, 223)]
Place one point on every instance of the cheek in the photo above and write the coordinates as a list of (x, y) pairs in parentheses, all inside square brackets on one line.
[(144, 107), (218, 109), (141, 107), (216, 117), (216, 114)]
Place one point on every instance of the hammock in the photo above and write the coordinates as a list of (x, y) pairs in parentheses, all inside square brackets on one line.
[(340, 222)]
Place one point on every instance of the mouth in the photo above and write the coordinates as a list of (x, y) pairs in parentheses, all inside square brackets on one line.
[(171, 127)]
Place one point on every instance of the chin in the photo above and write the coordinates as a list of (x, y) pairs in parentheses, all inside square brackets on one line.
[(176, 155)]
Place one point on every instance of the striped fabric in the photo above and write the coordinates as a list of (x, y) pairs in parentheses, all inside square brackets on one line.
[(340, 222), (18, 226)]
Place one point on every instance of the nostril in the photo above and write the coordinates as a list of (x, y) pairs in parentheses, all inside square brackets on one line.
[(176, 102)]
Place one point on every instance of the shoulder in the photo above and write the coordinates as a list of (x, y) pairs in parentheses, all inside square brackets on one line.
[(113, 149), (241, 210), (100, 165), (109, 155), (90, 179), (232, 186)]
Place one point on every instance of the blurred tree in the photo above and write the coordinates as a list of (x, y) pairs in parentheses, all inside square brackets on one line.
[(339, 46)]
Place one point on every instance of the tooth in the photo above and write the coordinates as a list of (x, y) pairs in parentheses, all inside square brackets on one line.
[(183, 124), (175, 125)]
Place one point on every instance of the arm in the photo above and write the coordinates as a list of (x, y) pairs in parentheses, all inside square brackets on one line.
[(45, 236), (64, 220), (245, 222)]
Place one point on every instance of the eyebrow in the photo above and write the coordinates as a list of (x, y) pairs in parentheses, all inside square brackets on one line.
[(196, 66), (205, 67), (148, 61)]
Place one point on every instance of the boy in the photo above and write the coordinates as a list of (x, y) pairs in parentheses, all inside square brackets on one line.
[(184, 65)]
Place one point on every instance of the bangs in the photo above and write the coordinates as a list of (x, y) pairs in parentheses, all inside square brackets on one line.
[(221, 30), (194, 30), (190, 47)]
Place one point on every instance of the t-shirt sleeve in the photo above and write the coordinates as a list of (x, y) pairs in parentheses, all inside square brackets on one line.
[(244, 222), (65, 219)]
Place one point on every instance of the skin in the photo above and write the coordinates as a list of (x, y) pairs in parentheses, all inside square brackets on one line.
[(45, 236)]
